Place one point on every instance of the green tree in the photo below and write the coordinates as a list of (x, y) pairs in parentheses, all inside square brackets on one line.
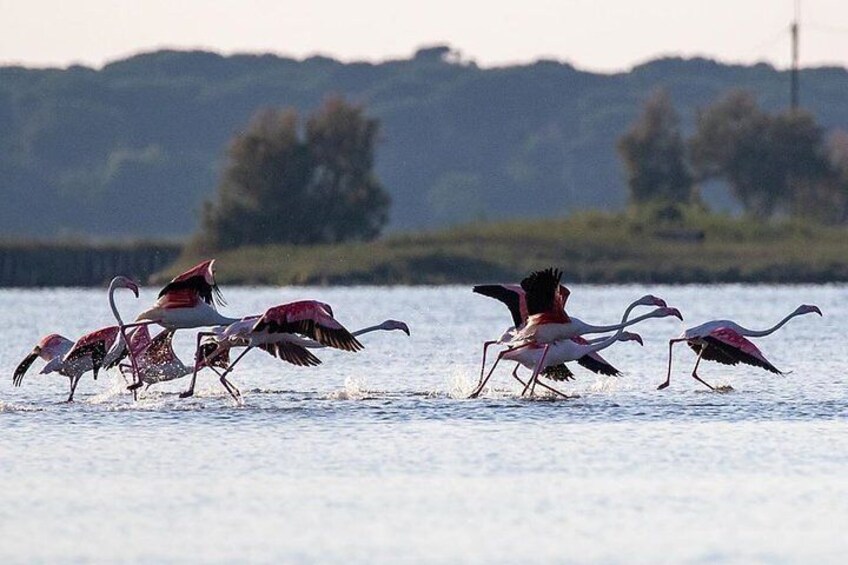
[(772, 163), (655, 156), (281, 186)]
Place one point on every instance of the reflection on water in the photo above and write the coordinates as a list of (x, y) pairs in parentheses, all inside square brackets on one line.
[(377, 456)]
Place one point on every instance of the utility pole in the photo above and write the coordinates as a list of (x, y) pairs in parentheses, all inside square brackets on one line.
[(794, 86)]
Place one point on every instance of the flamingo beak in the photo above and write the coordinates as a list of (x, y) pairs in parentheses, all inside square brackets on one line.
[(660, 302), (676, 313), (404, 328), (817, 310), (134, 288), (638, 338)]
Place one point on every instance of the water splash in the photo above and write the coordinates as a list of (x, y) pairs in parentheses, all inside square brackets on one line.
[(354, 389)]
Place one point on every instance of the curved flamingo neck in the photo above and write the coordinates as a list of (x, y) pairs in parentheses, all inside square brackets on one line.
[(112, 288), (590, 329), (761, 333), (613, 338)]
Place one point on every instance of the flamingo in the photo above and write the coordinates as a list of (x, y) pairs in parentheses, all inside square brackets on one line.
[(156, 360), (74, 359), (724, 341), (555, 353), (515, 298), (188, 301), (67, 358), (279, 332), (530, 356)]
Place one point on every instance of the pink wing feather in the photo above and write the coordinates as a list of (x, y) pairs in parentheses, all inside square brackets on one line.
[(310, 318)]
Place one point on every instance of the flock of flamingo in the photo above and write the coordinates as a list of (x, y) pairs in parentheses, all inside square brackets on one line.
[(543, 337)]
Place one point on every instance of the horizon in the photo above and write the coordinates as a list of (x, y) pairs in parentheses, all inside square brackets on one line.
[(463, 60), (612, 38)]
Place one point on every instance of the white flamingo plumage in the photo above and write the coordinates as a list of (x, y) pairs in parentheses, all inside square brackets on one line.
[(724, 341)]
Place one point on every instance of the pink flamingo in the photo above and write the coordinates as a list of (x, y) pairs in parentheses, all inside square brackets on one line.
[(156, 360), (188, 301), (280, 331), (569, 349), (67, 358), (515, 298), (724, 341), (74, 359), (553, 354)]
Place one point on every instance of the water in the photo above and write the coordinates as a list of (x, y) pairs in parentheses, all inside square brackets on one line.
[(376, 456)]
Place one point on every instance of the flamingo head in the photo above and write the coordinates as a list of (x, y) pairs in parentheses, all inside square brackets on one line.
[(807, 309), (630, 336), (124, 282), (666, 311), (651, 300), (395, 325)]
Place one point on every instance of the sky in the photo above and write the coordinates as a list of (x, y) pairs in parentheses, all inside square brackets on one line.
[(597, 35)]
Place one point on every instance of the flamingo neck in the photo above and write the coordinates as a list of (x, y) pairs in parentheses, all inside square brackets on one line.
[(590, 329), (761, 333), (112, 305), (613, 338)]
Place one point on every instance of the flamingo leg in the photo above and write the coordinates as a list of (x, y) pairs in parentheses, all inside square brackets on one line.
[(667, 382), (136, 373), (74, 382), (234, 392), (190, 390), (482, 384), (538, 369), (695, 369), (542, 384), (486, 345)]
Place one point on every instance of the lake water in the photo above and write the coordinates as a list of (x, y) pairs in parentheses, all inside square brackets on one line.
[(377, 457)]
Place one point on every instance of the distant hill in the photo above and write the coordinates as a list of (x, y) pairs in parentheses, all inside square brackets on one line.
[(133, 149)]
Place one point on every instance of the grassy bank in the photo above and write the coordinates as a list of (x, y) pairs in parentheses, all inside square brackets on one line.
[(590, 247)]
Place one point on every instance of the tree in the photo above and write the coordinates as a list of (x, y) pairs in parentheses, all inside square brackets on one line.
[(770, 161), (655, 156), (283, 187)]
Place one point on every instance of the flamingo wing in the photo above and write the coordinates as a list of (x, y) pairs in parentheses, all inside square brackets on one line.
[(95, 344), (541, 288), (212, 353), (310, 318), (559, 372), (729, 347), (594, 362), (196, 283), (159, 350), (511, 295), (291, 353)]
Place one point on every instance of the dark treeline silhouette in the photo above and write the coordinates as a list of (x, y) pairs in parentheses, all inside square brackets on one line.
[(774, 163), (137, 147), (80, 264)]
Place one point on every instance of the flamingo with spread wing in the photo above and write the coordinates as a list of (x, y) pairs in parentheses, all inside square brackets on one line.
[(724, 341)]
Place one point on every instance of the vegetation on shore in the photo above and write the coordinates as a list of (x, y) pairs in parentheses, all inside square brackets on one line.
[(591, 248), (80, 263)]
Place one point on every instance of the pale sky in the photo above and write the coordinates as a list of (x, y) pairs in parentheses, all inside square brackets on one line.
[(607, 35)]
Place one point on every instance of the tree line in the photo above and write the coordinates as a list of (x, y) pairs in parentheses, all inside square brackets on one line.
[(135, 148), (778, 163)]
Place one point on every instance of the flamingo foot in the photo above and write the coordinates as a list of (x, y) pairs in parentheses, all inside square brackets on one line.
[(135, 386), (186, 394), (663, 385)]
